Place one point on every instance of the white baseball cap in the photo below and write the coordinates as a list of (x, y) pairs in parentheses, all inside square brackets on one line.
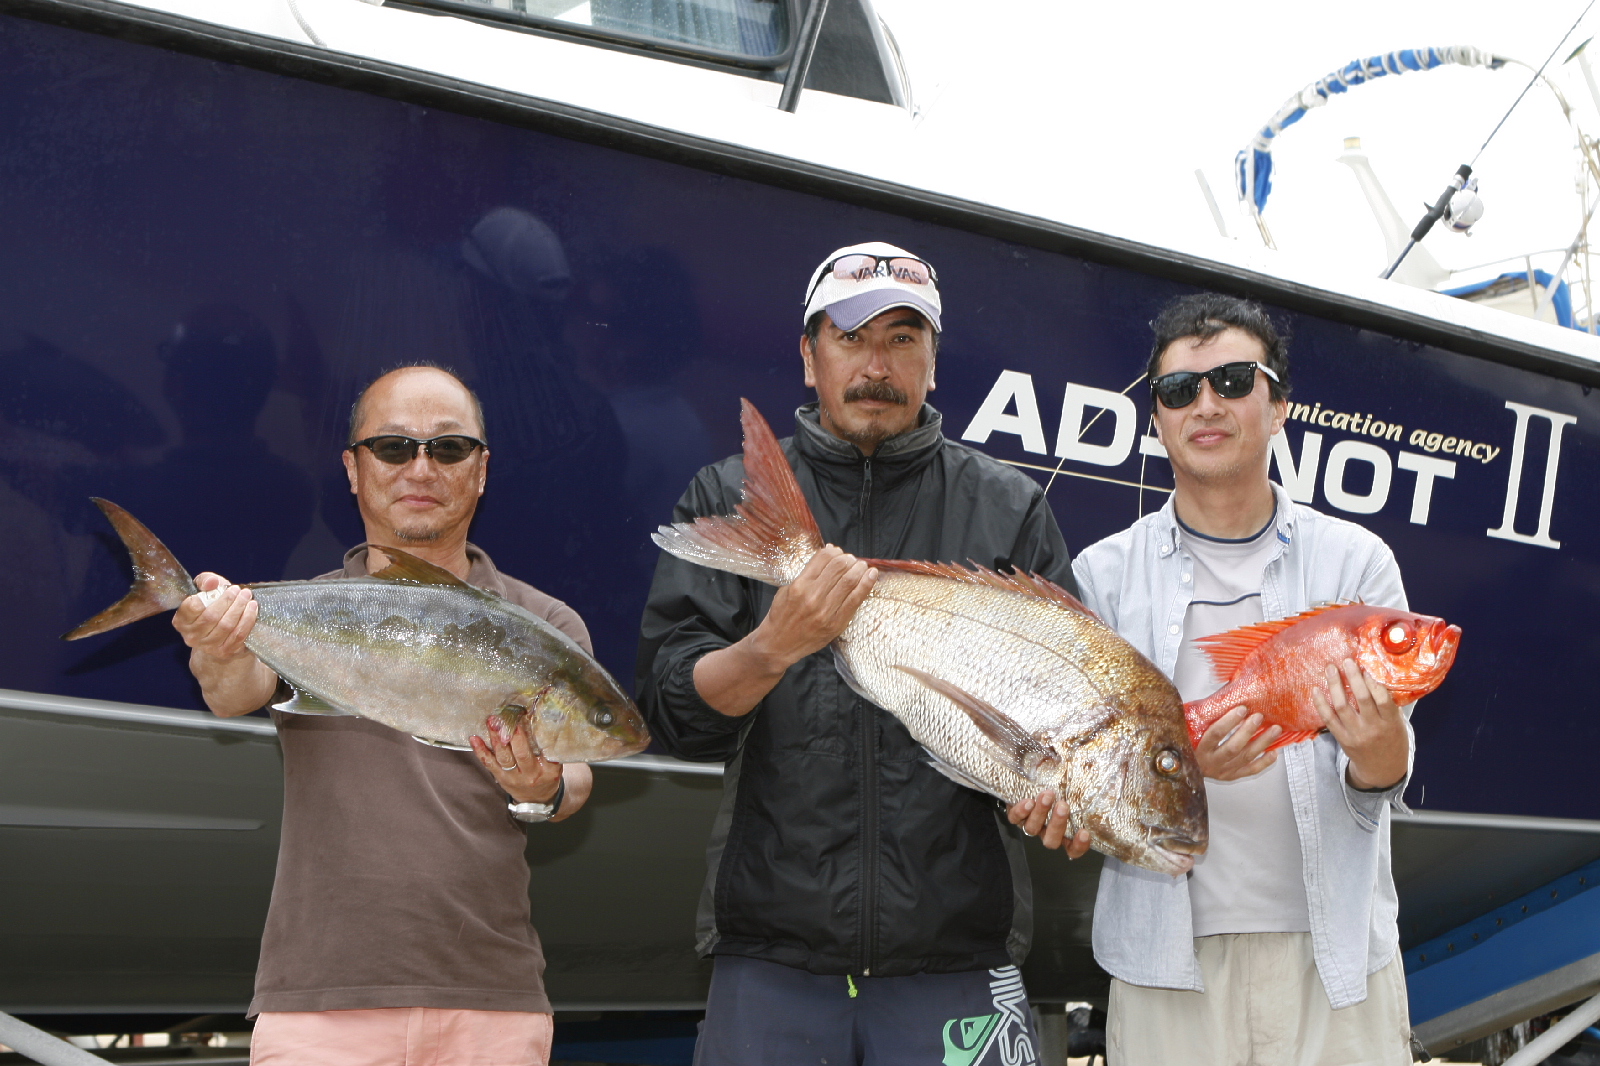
[(862, 280)]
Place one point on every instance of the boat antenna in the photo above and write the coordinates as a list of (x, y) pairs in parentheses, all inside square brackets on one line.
[(1464, 171), (804, 49)]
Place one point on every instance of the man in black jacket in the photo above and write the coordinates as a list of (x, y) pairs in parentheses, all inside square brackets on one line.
[(862, 908)]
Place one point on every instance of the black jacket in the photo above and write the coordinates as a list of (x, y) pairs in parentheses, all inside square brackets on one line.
[(837, 848)]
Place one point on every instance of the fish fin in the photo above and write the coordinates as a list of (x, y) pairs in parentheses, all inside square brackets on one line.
[(447, 746), (849, 675), (1295, 738), (403, 566), (1018, 581), (512, 713), (960, 777), (302, 702), (160, 582), (1016, 745), (772, 536), (1228, 651)]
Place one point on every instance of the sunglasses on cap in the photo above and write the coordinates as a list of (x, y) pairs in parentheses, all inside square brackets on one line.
[(863, 266), (396, 450), (1230, 381)]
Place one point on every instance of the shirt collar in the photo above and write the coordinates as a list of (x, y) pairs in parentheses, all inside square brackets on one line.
[(481, 572), (1284, 518)]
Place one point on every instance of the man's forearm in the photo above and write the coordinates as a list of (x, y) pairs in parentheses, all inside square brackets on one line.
[(579, 781), (805, 616), (233, 686), (1379, 777), (736, 678)]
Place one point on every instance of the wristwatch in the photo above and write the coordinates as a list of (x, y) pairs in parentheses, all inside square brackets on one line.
[(539, 812)]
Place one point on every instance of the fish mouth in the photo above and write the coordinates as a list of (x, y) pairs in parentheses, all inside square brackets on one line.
[(1178, 851), (1181, 844), (1443, 635), (621, 748)]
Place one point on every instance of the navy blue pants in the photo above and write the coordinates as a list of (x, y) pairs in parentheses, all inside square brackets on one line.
[(764, 1014)]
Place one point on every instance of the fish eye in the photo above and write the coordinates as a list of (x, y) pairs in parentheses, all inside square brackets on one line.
[(1167, 762), (603, 719), (1398, 637)]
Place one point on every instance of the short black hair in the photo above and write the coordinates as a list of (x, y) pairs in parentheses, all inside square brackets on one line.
[(814, 327), (1203, 315), (357, 412)]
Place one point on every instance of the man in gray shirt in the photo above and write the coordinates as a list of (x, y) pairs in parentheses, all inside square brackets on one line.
[(1281, 945)]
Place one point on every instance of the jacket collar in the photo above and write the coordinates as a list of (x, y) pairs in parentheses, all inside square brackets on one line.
[(818, 445), (481, 573)]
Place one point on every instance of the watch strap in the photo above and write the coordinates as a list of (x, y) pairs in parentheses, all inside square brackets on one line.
[(534, 811)]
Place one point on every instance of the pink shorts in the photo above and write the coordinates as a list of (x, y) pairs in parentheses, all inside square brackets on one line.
[(401, 1036)]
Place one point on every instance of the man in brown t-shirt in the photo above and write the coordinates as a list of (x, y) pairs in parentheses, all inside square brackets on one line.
[(398, 930)]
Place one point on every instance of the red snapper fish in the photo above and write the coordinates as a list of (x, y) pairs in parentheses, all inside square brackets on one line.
[(1010, 684), (1273, 667)]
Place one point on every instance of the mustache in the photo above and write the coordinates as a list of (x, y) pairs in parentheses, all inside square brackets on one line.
[(881, 391)]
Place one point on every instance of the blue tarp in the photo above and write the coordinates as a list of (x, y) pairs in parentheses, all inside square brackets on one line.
[(1560, 298), (1253, 165)]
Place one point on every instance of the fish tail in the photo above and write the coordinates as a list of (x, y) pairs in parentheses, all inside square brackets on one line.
[(160, 582), (773, 535)]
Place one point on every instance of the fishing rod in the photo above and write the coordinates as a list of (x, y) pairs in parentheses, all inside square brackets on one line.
[(1464, 171)]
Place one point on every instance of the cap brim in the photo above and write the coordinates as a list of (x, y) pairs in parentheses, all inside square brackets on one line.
[(854, 311)]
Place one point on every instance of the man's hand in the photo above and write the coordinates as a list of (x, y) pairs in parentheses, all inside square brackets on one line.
[(805, 617), (217, 629), (1236, 746), (815, 608), (1048, 820), (232, 680), (1367, 725), (513, 757)]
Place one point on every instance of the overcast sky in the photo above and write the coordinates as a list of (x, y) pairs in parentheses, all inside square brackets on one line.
[(1099, 114)]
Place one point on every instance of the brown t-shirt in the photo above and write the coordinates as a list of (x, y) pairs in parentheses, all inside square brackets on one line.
[(401, 876)]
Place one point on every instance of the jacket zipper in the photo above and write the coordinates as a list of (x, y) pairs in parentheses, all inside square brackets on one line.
[(869, 775)]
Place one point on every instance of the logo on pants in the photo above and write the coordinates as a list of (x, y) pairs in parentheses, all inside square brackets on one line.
[(967, 1041)]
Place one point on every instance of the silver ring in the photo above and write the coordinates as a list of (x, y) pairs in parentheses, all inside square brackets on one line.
[(507, 769)]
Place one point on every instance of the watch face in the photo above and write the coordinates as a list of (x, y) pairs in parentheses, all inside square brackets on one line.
[(533, 811)]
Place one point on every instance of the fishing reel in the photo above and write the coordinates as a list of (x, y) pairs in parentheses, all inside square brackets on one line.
[(1464, 208)]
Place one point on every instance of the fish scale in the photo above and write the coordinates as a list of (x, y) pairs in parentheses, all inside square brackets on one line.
[(1042, 686), (383, 661), (1011, 685)]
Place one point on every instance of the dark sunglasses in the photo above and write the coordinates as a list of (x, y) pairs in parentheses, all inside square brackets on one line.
[(861, 266), (1230, 381), (394, 449)]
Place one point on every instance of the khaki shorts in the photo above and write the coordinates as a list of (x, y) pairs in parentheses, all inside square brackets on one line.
[(1264, 1005)]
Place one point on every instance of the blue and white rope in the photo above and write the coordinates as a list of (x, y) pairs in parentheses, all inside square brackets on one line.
[(1253, 165)]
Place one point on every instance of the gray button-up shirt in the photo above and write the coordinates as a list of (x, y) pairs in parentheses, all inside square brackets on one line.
[(1143, 925)]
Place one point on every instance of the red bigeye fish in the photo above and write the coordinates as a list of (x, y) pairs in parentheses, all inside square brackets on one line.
[(1273, 667)]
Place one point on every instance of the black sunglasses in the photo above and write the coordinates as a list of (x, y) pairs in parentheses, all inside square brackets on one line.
[(394, 449), (1230, 381)]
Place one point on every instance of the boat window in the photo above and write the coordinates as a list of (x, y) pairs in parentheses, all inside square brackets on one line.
[(736, 29)]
